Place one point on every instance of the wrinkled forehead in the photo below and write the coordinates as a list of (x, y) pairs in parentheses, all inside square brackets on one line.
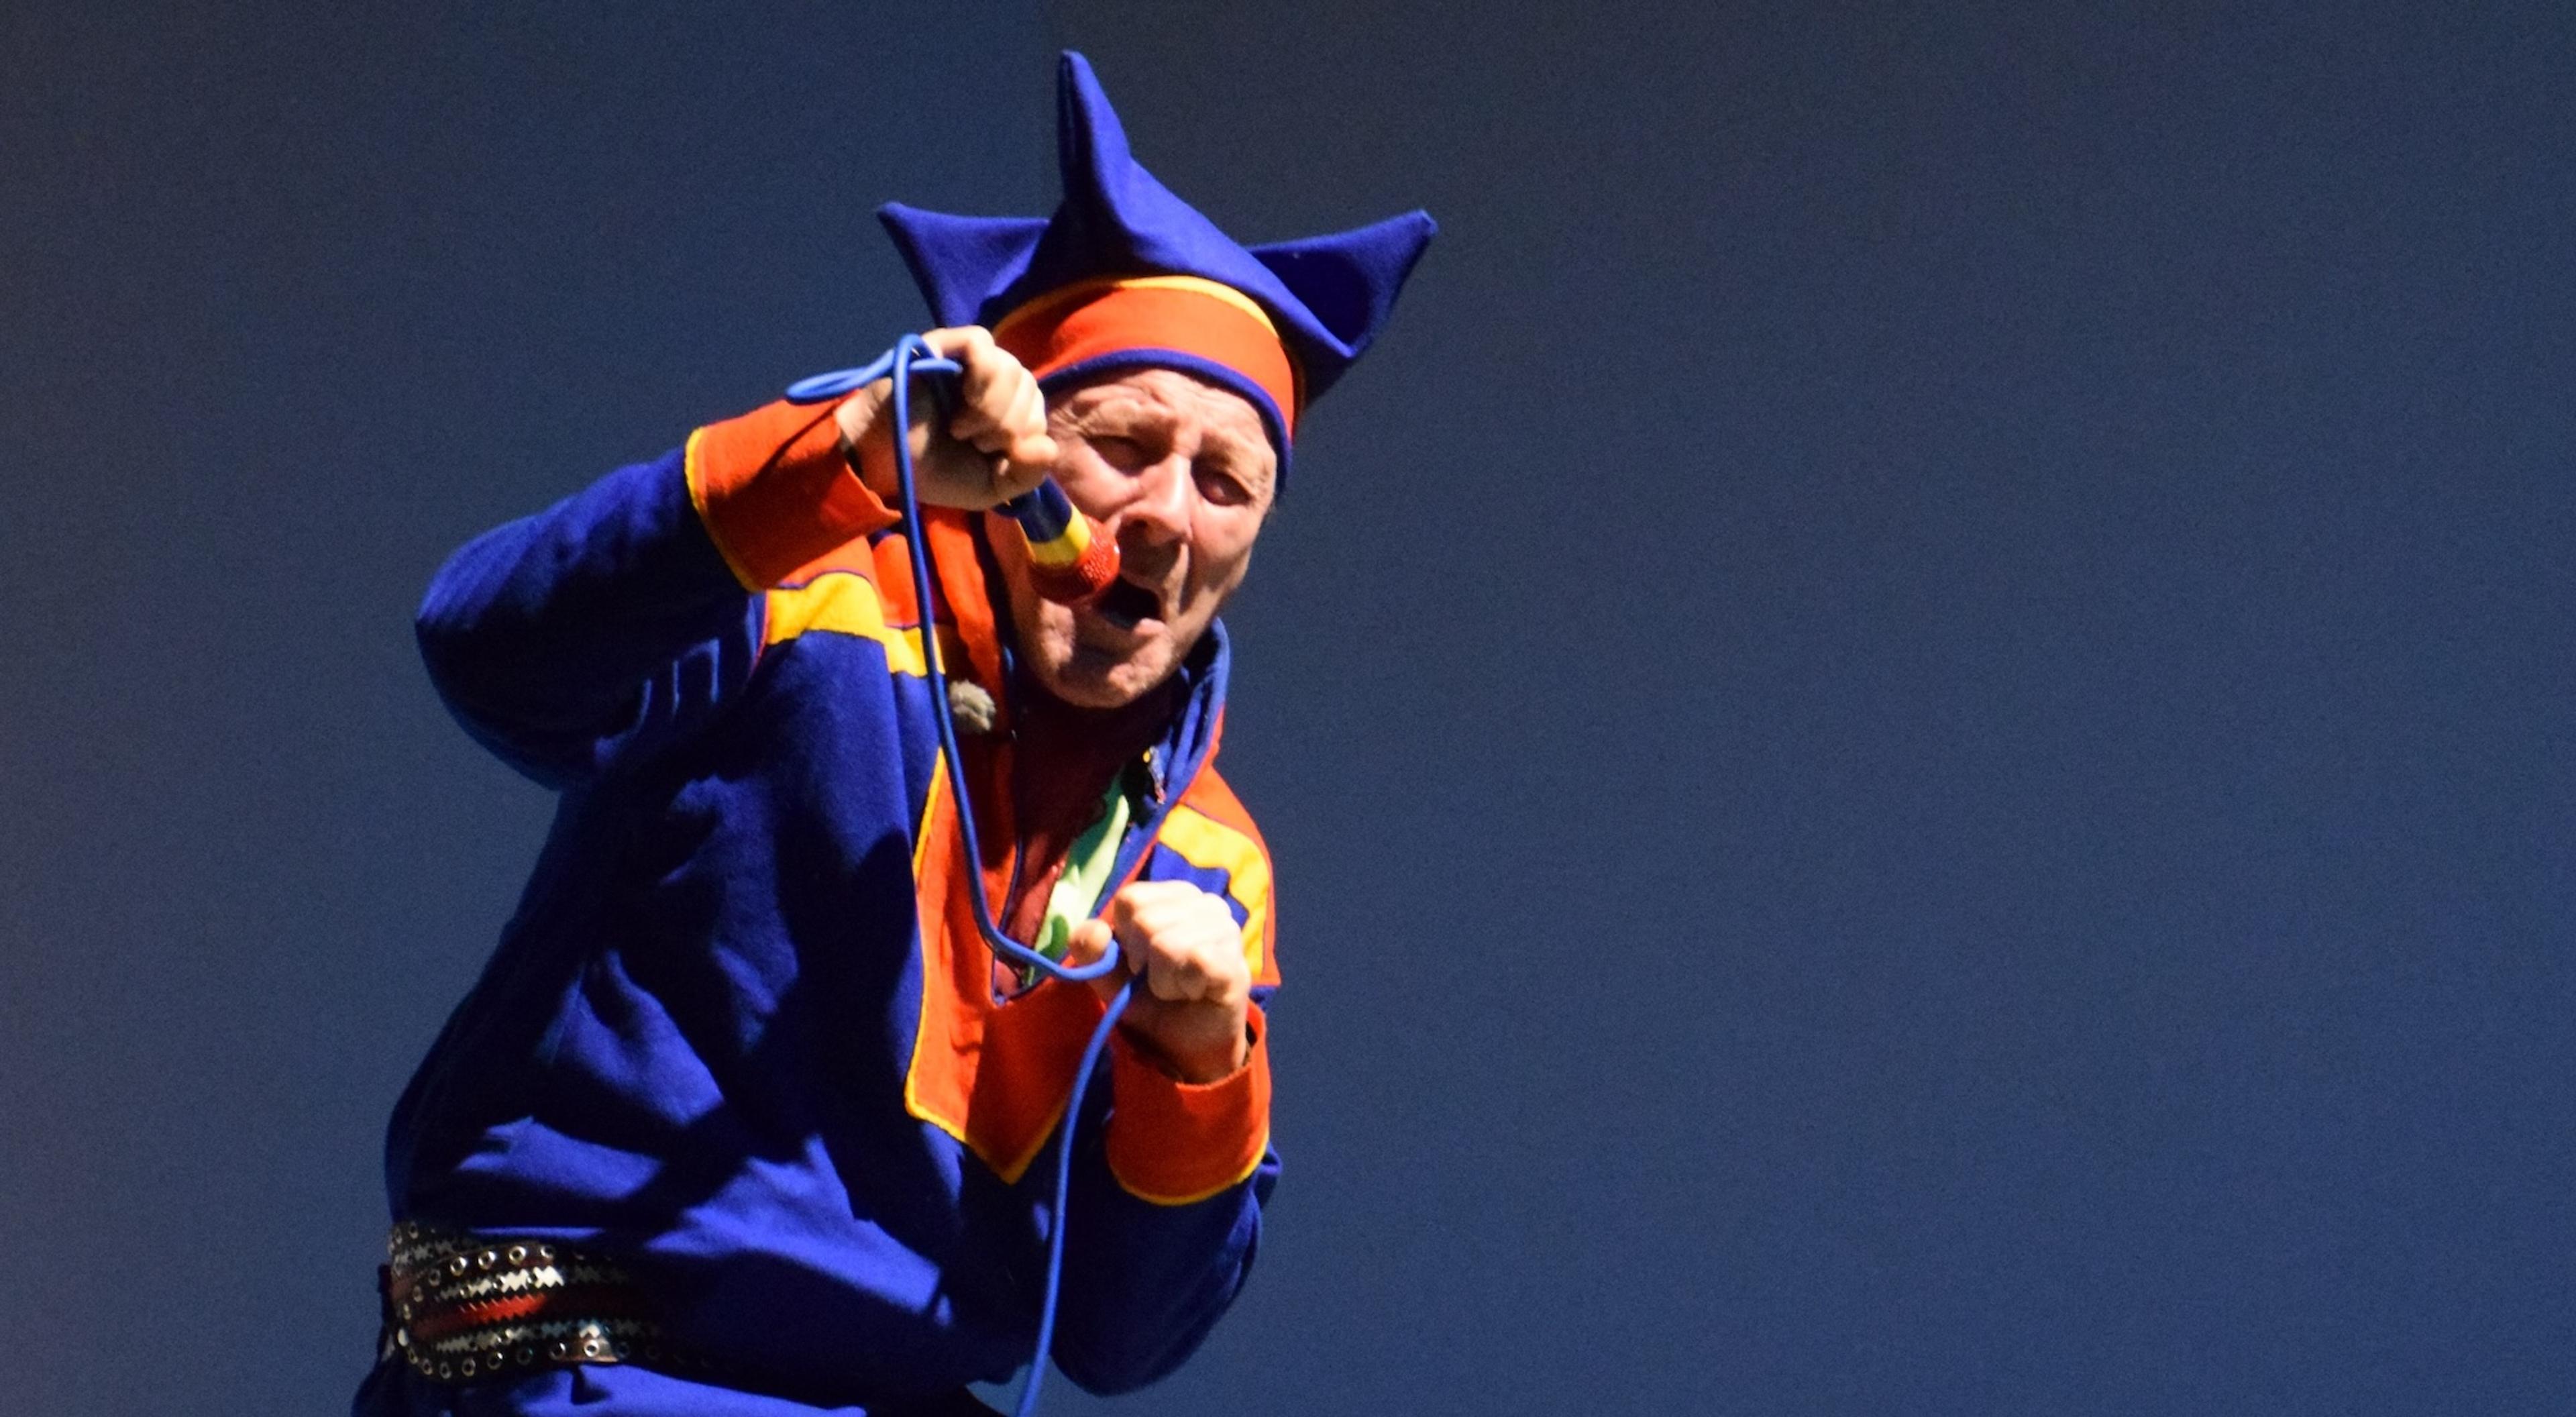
[(1200, 327)]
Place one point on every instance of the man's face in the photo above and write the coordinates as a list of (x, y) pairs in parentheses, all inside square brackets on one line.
[(1181, 473)]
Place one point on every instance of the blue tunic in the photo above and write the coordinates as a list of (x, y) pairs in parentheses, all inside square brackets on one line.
[(737, 1034)]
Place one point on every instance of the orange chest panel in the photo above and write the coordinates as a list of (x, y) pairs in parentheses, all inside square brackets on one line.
[(992, 1073)]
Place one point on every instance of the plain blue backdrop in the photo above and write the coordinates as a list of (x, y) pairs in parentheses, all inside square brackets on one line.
[(1917, 720)]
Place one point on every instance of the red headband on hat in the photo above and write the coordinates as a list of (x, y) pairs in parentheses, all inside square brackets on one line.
[(1189, 316)]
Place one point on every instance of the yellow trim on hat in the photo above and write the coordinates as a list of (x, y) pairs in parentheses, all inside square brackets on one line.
[(1083, 290)]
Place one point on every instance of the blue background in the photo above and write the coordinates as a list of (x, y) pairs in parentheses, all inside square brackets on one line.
[(1917, 719)]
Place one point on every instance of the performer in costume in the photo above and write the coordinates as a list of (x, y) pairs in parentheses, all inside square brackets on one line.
[(743, 1117)]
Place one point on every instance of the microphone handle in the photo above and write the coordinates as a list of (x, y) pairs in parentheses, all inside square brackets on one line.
[(1071, 557)]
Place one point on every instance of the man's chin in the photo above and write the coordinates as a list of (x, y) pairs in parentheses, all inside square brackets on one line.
[(1097, 679)]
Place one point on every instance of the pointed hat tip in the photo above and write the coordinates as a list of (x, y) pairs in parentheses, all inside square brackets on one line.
[(1091, 144)]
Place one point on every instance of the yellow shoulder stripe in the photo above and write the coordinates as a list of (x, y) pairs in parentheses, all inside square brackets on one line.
[(846, 603), (1210, 845)]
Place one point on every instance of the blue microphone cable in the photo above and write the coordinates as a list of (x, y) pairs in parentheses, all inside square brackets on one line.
[(912, 355)]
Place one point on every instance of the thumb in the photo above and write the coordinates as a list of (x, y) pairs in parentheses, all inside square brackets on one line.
[(1088, 941)]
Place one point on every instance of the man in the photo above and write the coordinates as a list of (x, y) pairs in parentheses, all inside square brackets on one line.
[(743, 1117)]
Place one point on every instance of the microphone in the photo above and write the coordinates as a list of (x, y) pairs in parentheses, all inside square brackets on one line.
[(1071, 557)]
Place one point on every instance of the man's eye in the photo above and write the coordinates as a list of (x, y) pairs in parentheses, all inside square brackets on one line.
[(1124, 454), (1221, 488)]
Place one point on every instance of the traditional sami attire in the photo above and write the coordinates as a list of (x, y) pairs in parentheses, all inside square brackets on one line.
[(741, 1117)]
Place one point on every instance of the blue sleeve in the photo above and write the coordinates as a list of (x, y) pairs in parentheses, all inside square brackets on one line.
[(1144, 1282), (606, 626)]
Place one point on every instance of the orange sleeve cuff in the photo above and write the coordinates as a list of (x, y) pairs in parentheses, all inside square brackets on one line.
[(775, 492), (1173, 1142)]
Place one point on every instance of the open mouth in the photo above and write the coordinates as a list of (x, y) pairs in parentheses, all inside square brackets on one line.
[(1125, 604)]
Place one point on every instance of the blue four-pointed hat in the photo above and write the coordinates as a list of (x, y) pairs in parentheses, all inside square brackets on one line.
[(1125, 274)]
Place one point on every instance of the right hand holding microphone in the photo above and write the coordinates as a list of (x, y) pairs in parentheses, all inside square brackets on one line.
[(993, 445)]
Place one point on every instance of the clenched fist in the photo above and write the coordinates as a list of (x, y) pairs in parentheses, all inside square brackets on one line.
[(1194, 986), (994, 447)]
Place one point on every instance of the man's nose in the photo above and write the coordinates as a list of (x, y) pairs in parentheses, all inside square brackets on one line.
[(1160, 506)]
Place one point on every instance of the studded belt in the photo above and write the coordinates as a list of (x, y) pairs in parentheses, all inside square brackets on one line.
[(459, 1307)]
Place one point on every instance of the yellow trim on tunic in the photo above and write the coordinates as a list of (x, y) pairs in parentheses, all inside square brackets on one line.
[(1211, 845), (1259, 1154), (694, 473), (912, 1103), (847, 603)]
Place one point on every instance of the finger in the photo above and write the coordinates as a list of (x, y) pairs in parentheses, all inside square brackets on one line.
[(1208, 959), (1122, 907), (1225, 975), (1032, 446), (1215, 948), (1175, 978), (963, 345), (1132, 937), (1136, 918), (1011, 399), (858, 415), (1137, 894), (958, 342), (1036, 452), (978, 429), (990, 372), (1003, 411), (1188, 959), (1177, 905), (1146, 910), (972, 349), (1088, 941), (1148, 903), (1028, 406)]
